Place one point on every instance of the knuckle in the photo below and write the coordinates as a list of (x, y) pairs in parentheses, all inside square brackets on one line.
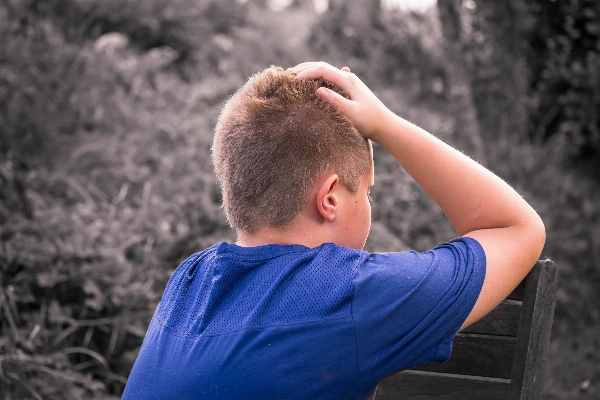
[(323, 65), (352, 78)]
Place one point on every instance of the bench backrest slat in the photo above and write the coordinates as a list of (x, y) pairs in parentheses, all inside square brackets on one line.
[(419, 385), (481, 355), (502, 356), (502, 320), (535, 328)]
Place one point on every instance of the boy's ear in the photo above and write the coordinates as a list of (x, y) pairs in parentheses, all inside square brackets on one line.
[(327, 201)]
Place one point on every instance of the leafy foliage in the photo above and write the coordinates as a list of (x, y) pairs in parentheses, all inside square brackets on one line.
[(564, 65), (383, 46)]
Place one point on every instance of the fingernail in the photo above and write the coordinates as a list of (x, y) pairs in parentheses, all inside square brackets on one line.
[(323, 92)]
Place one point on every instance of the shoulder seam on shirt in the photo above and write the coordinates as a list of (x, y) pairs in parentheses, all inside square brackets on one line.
[(164, 325), (251, 327), (258, 327)]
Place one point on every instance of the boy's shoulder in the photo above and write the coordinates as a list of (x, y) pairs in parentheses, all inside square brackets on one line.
[(229, 287)]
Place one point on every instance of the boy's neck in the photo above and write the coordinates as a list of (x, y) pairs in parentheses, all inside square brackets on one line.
[(302, 230)]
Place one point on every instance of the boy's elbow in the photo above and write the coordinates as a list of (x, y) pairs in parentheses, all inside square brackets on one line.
[(537, 236), (542, 234)]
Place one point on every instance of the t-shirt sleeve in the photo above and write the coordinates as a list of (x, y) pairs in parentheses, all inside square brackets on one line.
[(407, 307)]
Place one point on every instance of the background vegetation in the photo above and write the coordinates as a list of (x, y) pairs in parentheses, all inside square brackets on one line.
[(106, 117)]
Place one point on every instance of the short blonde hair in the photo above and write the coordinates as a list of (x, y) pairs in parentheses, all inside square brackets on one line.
[(274, 138)]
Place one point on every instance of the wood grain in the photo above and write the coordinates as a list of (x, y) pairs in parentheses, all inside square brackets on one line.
[(535, 328), (502, 320), (489, 356), (423, 385)]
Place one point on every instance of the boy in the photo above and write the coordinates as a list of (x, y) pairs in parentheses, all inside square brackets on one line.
[(295, 309)]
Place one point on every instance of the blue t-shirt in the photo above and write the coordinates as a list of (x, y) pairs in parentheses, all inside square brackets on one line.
[(291, 322)]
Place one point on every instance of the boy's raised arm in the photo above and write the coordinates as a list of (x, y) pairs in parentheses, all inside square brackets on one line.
[(478, 203)]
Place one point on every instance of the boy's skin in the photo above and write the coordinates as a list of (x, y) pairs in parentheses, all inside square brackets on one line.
[(478, 203)]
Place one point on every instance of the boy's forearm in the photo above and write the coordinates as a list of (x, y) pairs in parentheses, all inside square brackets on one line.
[(478, 203), (472, 197)]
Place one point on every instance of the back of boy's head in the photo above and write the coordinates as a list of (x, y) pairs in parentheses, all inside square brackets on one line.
[(275, 137)]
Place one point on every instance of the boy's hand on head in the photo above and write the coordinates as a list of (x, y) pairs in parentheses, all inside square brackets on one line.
[(363, 108)]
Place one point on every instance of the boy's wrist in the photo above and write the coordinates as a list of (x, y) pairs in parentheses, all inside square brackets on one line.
[(386, 122)]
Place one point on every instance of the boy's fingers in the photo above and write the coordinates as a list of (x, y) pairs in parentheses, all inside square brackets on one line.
[(340, 77), (300, 69), (333, 98), (327, 72), (315, 69), (312, 64)]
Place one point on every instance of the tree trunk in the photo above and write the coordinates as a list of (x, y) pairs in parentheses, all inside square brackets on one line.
[(499, 79), (468, 136)]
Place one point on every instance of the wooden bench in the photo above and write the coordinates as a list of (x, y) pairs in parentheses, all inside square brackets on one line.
[(502, 356)]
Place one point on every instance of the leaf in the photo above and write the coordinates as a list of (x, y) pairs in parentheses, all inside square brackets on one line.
[(50, 279), (96, 299), (55, 313)]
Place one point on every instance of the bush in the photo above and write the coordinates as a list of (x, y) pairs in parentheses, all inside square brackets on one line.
[(106, 156), (564, 61)]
